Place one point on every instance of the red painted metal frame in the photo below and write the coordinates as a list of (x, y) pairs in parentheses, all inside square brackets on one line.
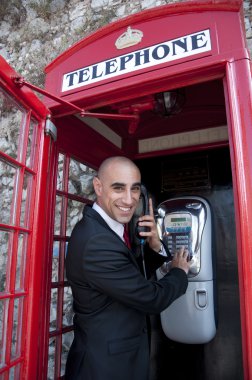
[(239, 94), (46, 245), (60, 283), (133, 119), (20, 82), (26, 97)]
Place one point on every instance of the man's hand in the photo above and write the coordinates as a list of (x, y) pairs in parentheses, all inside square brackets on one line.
[(152, 235), (180, 260)]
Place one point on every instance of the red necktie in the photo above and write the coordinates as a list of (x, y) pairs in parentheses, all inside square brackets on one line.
[(126, 237)]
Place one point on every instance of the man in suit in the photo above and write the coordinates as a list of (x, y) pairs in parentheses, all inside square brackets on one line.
[(111, 296)]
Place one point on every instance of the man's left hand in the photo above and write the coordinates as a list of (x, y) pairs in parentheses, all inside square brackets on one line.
[(152, 235)]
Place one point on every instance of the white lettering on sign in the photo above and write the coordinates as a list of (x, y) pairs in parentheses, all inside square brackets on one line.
[(178, 48)]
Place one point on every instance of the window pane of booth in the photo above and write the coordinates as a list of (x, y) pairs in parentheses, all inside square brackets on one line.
[(5, 247), (67, 317), (55, 262), (7, 182), (74, 214), (60, 172), (81, 180), (3, 324), (51, 358), (15, 373), (32, 144), (67, 339), (53, 309), (66, 245), (17, 327), (21, 261), (11, 119), (58, 210), (12, 373), (26, 199)]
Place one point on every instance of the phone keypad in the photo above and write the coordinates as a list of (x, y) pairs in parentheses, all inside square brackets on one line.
[(176, 241)]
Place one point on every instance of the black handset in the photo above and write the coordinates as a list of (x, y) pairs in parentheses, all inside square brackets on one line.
[(144, 198)]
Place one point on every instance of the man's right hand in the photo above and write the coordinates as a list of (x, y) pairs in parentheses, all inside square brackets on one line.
[(180, 260)]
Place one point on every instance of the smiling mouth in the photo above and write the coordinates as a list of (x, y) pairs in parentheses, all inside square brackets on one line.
[(125, 209)]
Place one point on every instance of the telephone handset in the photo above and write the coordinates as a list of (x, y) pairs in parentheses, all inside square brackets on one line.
[(143, 209), (144, 204)]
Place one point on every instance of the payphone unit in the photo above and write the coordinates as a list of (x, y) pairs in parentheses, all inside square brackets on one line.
[(186, 221)]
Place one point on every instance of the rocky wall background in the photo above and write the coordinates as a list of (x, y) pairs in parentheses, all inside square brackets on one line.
[(34, 32)]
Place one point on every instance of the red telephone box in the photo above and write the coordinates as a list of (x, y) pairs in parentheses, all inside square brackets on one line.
[(170, 88)]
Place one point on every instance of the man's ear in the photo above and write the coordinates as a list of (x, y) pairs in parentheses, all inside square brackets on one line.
[(97, 186)]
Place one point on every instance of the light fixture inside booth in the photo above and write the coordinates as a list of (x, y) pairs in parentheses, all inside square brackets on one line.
[(169, 103)]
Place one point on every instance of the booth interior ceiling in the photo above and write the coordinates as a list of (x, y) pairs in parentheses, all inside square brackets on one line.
[(174, 111)]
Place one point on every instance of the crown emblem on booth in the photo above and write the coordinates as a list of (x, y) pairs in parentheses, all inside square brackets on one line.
[(129, 38)]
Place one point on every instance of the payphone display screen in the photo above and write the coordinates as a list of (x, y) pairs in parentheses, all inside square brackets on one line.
[(178, 227)]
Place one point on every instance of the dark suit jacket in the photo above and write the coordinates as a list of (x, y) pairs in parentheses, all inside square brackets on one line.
[(111, 301)]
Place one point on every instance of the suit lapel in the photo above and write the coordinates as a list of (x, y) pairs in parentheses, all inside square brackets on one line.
[(90, 212)]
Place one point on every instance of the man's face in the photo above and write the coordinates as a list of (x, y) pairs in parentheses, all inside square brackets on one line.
[(118, 191)]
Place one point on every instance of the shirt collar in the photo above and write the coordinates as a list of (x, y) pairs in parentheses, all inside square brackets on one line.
[(117, 227)]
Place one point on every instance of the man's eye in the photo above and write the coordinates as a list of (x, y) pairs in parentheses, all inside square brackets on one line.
[(136, 189), (118, 188)]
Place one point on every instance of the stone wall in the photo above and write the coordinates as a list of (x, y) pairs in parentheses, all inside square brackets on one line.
[(34, 32)]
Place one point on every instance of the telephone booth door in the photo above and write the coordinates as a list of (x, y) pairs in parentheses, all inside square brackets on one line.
[(25, 151)]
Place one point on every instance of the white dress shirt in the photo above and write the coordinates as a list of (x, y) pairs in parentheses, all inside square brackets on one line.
[(117, 227)]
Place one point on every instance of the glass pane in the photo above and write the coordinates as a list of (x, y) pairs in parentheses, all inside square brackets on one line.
[(17, 328), (67, 317), (60, 172), (7, 181), (66, 343), (21, 257), (51, 358), (57, 220), (15, 373), (12, 373), (11, 119), (66, 245), (74, 214), (3, 324), (53, 309), (26, 199), (81, 180), (5, 247), (32, 144), (55, 262)]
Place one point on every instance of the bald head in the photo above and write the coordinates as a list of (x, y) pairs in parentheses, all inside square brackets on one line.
[(117, 187), (117, 161)]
